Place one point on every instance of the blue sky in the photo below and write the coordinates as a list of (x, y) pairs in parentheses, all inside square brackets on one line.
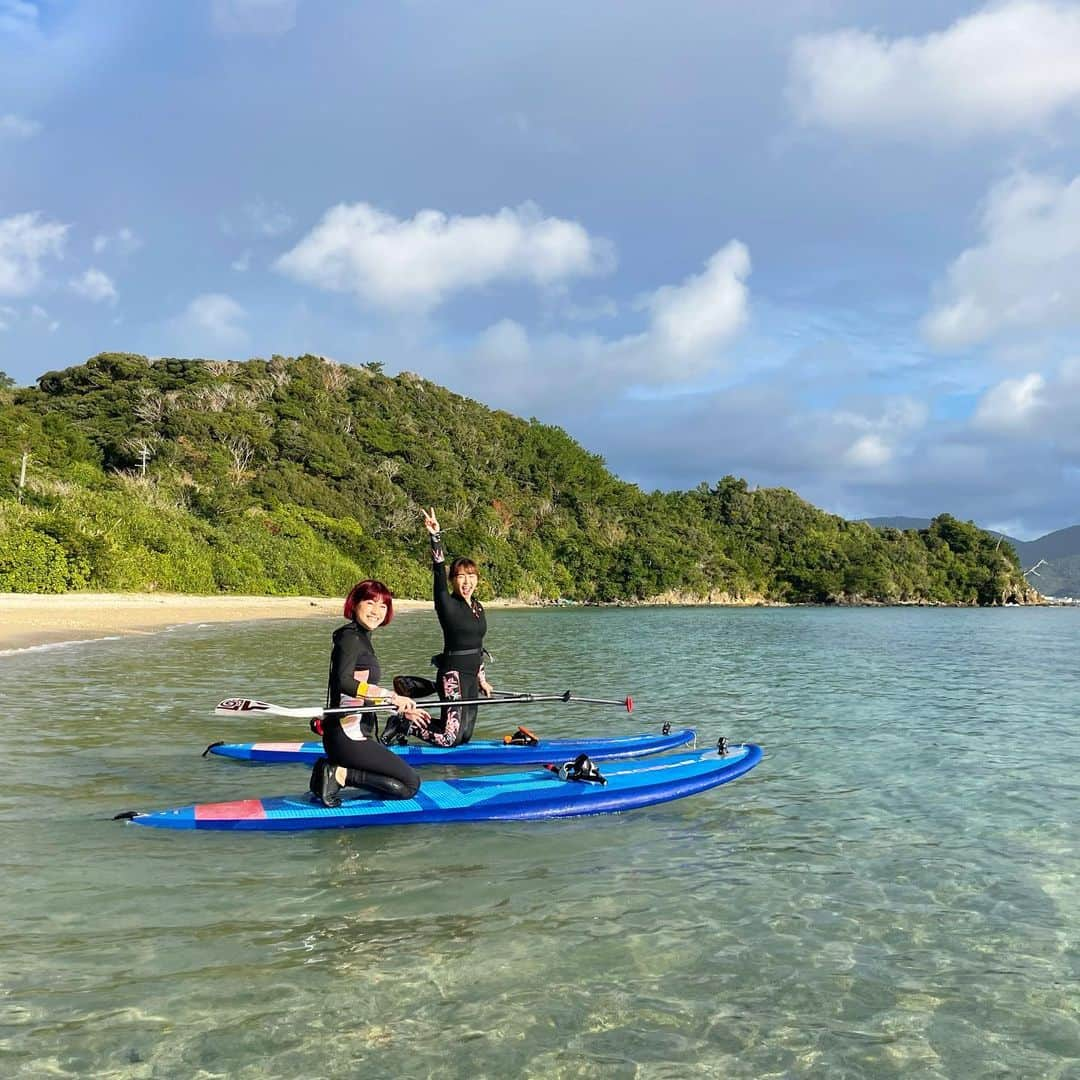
[(828, 245)]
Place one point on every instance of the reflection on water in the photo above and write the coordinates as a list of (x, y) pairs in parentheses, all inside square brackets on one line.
[(890, 893)]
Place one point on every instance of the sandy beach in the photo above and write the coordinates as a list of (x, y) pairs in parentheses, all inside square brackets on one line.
[(31, 619)]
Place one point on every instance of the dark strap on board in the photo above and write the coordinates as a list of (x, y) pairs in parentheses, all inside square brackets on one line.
[(582, 769), (522, 737)]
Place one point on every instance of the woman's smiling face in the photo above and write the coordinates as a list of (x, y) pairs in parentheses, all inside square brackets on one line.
[(371, 613), (464, 583)]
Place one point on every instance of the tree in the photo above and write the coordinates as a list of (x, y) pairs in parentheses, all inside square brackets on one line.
[(253, 470)]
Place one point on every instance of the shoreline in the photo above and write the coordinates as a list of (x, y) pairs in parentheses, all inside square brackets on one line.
[(31, 620), (28, 620)]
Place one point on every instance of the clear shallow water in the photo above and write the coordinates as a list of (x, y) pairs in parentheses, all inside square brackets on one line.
[(892, 892)]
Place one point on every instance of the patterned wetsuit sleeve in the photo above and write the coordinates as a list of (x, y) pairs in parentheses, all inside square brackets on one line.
[(438, 553), (440, 593)]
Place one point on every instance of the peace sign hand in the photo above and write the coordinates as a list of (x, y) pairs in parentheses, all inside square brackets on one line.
[(431, 523)]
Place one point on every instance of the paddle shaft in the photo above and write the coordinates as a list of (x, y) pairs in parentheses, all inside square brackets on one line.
[(235, 706), (517, 699)]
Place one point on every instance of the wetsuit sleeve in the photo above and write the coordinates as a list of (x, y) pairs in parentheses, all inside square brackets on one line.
[(440, 593), (352, 656), (438, 553)]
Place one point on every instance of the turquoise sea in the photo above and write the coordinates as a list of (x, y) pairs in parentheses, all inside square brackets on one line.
[(893, 892)]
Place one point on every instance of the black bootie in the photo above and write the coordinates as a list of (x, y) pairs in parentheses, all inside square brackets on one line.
[(328, 787), (315, 783)]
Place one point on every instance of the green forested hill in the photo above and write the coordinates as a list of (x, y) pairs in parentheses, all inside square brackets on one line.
[(1053, 560), (300, 475)]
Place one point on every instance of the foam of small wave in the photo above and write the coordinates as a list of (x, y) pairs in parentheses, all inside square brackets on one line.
[(109, 637), (58, 645)]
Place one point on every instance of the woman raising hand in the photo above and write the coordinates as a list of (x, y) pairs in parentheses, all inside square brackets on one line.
[(460, 666)]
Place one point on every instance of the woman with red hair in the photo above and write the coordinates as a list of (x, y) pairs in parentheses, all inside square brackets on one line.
[(354, 758)]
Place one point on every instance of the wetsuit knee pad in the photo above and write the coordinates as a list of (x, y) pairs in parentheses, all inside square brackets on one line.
[(389, 787)]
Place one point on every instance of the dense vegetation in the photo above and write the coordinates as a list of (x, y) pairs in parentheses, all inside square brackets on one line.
[(298, 476), (1053, 560)]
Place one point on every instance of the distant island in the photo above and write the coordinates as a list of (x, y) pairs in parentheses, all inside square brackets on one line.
[(1052, 562), (298, 475)]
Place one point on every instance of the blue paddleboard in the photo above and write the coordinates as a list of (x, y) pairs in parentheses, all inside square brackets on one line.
[(479, 752), (497, 797)]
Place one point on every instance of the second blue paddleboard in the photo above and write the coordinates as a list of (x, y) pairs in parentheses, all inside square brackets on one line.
[(479, 752)]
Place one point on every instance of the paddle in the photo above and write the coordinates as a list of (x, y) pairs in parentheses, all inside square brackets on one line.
[(244, 706), (416, 686)]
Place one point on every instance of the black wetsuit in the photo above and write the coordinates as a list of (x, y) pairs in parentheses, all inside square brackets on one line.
[(368, 761), (459, 665)]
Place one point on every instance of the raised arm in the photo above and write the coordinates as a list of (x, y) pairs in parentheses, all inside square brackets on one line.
[(431, 523), (440, 592)]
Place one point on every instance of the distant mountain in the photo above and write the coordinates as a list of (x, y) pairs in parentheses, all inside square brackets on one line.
[(924, 523), (1058, 576), (1062, 544)]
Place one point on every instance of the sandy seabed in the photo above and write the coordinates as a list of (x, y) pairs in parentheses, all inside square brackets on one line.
[(29, 619)]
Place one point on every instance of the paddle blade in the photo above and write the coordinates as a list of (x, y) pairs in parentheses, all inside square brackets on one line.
[(629, 703), (232, 706)]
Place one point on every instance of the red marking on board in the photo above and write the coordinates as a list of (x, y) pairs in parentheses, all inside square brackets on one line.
[(243, 810)]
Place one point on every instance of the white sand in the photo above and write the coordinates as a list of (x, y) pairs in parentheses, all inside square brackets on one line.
[(32, 619)]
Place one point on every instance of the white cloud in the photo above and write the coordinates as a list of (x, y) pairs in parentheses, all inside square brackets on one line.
[(1035, 410), (1008, 67), (879, 430), (25, 242), (210, 321), (18, 17), (1025, 274), (418, 263), (706, 310), (890, 414), (123, 242), (868, 452), (17, 127), (525, 374), (242, 264), (689, 326), (95, 285), (1011, 405), (254, 16), (506, 345)]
